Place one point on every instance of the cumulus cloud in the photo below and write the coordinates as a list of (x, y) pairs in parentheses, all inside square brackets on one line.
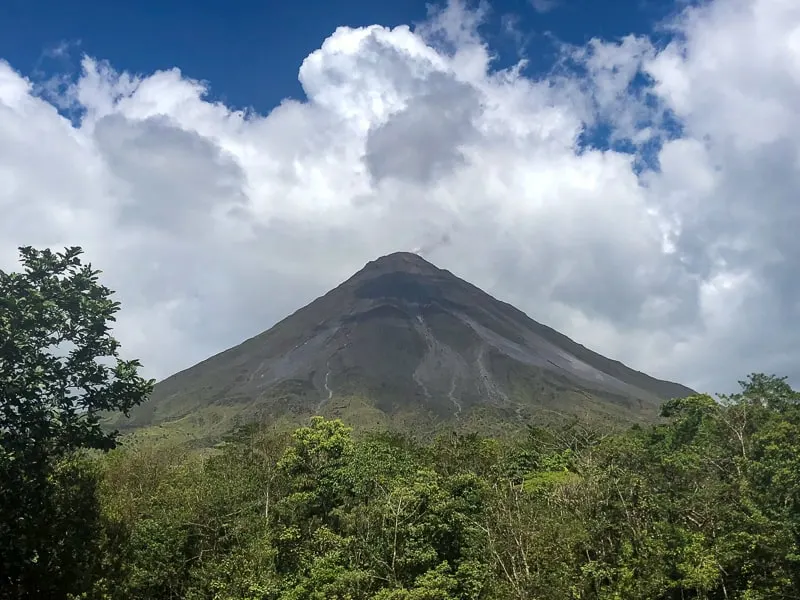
[(674, 252)]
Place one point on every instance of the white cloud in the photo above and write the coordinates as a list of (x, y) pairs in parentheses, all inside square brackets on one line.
[(213, 224), (544, 6)]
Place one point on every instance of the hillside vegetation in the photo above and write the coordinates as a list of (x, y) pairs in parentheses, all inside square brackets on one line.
[(704, 506)]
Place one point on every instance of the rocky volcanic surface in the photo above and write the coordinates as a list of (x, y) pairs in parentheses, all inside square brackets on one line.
[(407, 336)]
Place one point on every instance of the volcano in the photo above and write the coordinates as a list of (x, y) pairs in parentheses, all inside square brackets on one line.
[(405, 341)]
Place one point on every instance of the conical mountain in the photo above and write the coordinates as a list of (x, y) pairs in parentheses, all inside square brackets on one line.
[(403, 340)]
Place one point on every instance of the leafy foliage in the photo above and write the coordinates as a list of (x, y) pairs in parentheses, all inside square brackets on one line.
[(55, 344), (702, 506), (59, 370)]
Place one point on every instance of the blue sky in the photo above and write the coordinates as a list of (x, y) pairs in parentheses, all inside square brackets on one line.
[(249, 51)]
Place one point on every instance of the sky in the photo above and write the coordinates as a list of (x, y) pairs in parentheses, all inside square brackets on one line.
[(625, 175)]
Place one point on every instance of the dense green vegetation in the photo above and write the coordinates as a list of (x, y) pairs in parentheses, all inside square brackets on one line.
[(59, 370), (704, 504)]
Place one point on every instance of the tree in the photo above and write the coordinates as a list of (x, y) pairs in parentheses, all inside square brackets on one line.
[(59, 371)]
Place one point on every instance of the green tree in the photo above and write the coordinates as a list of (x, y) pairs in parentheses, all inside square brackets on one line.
[(59, 371), (313, 469)]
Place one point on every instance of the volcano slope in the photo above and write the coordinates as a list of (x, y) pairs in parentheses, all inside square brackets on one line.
[(405, 343)]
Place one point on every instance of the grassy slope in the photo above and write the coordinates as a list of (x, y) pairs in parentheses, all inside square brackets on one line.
[(534, 401)]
